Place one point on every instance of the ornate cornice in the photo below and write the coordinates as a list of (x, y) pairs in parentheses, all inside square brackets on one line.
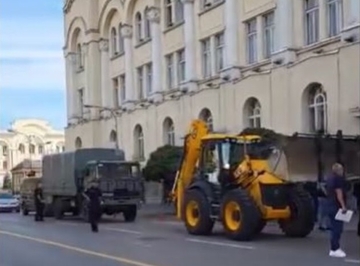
[(68, 5)]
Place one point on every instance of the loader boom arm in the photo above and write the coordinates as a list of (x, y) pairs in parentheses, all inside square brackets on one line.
[(192, 149)]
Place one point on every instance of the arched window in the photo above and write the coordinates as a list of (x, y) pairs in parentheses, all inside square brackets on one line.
[(169, 132), (78, 143), (79, 57), (206, 116), (121, 41), (113, 137), (138, 24), (21, 148), (32, 149), (147, 25), (139, 149), (114, 41), (252, 112), (318, 108)]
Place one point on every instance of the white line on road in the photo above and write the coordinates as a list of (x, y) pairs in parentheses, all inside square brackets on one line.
[(352, 261), (218, 243), (122, 230)]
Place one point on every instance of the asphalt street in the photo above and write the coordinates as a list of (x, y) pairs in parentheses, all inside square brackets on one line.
[(156, 240)]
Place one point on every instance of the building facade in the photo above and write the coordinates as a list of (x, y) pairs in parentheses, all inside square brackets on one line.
[(27, 139), (292, 66)]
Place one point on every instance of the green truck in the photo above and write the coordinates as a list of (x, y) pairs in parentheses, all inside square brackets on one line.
[(67, 175)]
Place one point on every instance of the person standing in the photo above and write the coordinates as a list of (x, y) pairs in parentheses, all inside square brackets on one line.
[(336, 199), (93, 196), (39, 203)]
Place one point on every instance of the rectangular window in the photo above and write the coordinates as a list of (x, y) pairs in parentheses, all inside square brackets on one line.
[(219, 50), (311, 21), (179, 10), (181, 65), (116, 90), (140, 79), (148, 79), (269, 31), (123, 88), (334, 17), (81, 102), (206, 58), (4, 165), (170, 71), (4, 150), (251, 41), (169, 17)]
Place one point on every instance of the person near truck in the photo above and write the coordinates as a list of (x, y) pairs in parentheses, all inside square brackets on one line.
[(39, 203), (336, 200), (93, 196)]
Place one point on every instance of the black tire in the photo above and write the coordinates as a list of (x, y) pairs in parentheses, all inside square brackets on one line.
[(58, 209), (130, 214), (25, 211), (204, 223), (301, 222), (247, 223)]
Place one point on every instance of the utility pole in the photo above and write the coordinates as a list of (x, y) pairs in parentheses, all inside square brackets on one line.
[(113, 112)]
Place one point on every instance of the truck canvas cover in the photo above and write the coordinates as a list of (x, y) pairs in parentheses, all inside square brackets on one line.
[(60, 171)]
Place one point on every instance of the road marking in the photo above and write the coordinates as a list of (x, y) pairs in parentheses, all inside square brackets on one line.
[(79, 250), (122, 230), (218, 243), (352, 261)]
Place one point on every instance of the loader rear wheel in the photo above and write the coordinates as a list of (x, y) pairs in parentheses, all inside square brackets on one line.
[(302, 221), (196, 213), (240, 215)]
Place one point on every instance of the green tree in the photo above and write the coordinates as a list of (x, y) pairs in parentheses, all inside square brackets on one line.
[(267, 135), (7, 183), (163, 161)]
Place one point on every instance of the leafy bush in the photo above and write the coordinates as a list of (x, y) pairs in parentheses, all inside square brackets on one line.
[(163, 162), (268, 135)]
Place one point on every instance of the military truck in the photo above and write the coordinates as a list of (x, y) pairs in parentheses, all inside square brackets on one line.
[(67, 175)]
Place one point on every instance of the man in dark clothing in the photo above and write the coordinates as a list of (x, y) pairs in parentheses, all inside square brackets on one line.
[(93, 196), (39, 203), (336, 199), (357, 196)]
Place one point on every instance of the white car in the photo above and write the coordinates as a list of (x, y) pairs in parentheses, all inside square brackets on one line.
[(8, 203)]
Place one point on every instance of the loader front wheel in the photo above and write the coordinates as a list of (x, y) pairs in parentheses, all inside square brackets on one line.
[(196, 213), (301, 222), (240, 215)]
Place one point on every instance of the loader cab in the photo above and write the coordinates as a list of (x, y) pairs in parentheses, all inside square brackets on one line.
[(220, 156)]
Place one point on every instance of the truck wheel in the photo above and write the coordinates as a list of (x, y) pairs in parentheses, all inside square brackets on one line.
[(130, 214), (58, 209), (196, 213), (25, 211), (260, 227), (240, 215), (302, 221)]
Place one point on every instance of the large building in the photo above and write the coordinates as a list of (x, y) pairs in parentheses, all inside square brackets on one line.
[(27, 139), (293, 66)]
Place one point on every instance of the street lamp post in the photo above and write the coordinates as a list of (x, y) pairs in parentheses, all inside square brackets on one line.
[(113, 112)]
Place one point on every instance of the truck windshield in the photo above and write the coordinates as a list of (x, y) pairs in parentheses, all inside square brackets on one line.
[(116, 170)]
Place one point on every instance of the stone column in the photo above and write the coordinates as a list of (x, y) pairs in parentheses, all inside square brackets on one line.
[(70, 64), (351, 31), (153, 14), (190, 46), (283, 39), (105, 78), (231, 37), (127, 33)]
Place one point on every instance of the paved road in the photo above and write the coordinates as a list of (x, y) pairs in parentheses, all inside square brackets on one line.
[(155, 241)]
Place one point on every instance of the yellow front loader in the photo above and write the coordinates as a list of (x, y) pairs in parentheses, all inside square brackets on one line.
[(227, 178)]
